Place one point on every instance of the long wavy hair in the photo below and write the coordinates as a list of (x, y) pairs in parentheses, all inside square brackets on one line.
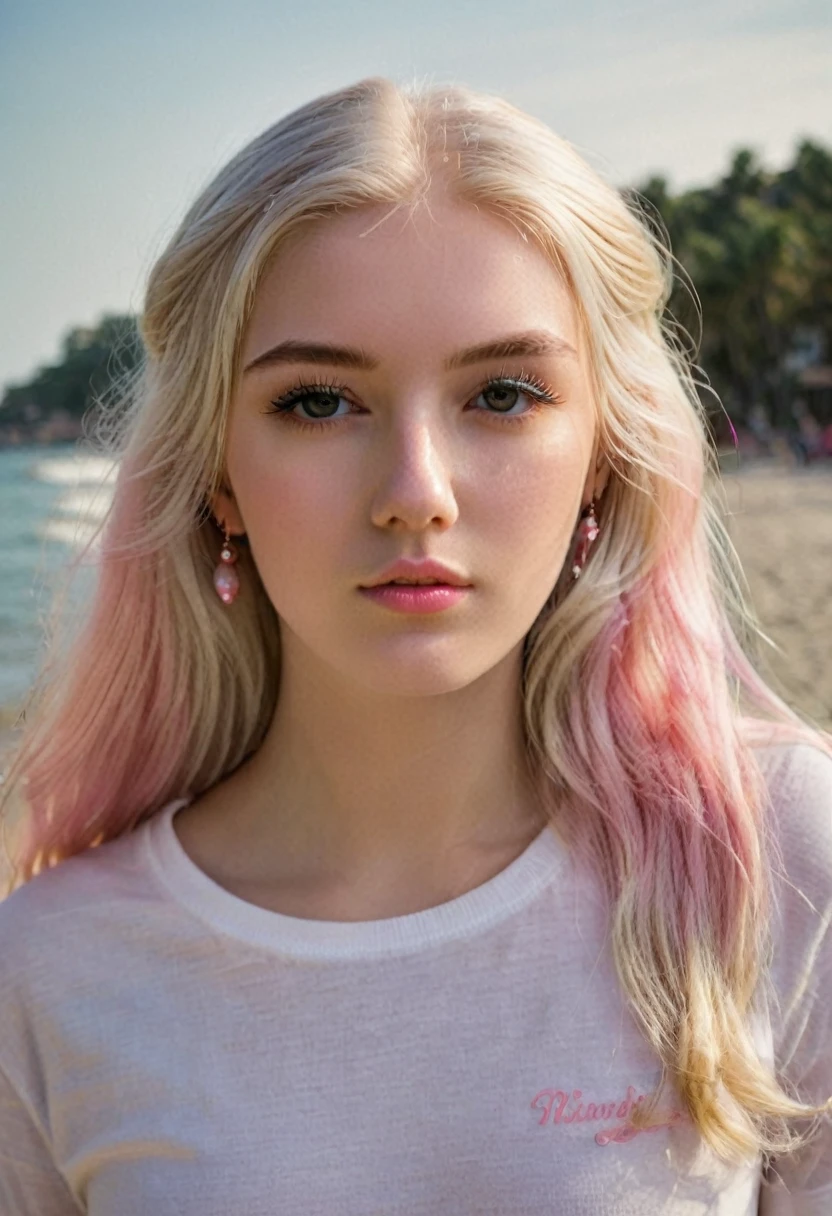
[(643, 702)]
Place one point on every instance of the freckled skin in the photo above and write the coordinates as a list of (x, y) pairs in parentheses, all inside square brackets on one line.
[(397, 738)]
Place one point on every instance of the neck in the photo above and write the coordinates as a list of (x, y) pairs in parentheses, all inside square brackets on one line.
[(355, 786)]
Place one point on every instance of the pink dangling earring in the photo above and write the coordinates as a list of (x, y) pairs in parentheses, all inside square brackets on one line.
[(588, 529), (226, 579)]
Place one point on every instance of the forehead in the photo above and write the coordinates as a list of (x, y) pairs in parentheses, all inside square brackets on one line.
[(443, 274)]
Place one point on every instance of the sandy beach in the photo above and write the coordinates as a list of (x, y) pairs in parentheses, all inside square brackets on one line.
[(781, 526)]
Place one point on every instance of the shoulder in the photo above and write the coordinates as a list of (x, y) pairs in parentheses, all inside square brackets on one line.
[(798, 779), (69, 942), (799, 987), (799, 841), (55, 916), (789, 767)]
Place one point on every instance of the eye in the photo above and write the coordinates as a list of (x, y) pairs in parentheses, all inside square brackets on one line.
[(501, 396), (504, 393), (319, 401)]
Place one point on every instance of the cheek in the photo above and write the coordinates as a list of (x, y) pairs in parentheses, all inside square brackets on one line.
[(293, 509), (532, 499)]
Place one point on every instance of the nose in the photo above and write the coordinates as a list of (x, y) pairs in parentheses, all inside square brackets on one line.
[(413, 476)]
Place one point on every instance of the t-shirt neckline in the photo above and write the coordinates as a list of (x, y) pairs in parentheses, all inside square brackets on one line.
[(462, 917)]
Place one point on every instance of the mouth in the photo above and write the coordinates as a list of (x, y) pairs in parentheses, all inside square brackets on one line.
[(406, 583), (407, 572), (416, 597), (415, 582)]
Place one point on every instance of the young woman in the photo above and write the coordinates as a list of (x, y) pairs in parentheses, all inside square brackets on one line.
[(508, 894)]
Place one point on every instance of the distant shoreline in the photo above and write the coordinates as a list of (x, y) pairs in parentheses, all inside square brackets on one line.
[(50, 432)]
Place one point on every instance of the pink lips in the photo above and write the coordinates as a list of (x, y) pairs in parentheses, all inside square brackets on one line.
[(429, 598)]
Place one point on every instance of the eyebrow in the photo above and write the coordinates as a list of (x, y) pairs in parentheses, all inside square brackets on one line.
[(532, 342)]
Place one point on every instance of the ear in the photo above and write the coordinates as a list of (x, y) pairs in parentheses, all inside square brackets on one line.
[(226, 512)]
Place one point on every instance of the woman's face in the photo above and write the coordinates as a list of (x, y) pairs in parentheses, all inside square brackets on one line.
[(434, 449)]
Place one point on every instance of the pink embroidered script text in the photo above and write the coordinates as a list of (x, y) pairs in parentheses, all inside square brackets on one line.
[(561, 1106)]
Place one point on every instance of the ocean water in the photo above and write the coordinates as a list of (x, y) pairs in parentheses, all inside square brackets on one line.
[(50, 500)]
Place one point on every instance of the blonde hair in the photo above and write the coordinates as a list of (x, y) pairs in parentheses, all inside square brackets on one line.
[(642, 706)]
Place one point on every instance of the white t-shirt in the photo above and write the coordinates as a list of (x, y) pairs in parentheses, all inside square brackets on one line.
[(168, 1049)]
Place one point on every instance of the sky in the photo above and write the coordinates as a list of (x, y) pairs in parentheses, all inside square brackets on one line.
[(114, 115)]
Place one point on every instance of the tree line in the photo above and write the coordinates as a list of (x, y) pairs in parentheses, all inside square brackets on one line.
[(755, 265), (752, 301)]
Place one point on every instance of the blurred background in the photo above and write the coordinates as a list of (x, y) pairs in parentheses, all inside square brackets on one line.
[(713, 117)]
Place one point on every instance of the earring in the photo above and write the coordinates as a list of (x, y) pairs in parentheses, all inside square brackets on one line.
[(226, 579), (588, 529)]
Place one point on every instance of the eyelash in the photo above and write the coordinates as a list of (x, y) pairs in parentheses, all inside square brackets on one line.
[(541, 396)]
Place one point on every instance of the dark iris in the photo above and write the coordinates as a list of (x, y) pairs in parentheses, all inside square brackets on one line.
[(319, 398), (502, 395)]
